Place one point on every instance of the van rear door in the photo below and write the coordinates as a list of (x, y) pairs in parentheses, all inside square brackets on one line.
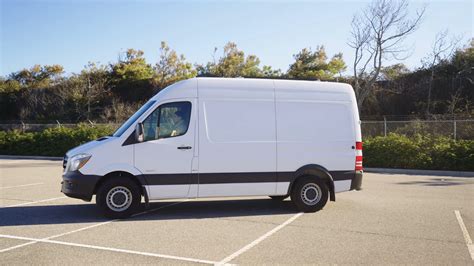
[(315, 125)]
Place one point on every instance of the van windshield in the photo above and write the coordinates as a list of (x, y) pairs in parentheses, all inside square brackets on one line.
[(132, 119)]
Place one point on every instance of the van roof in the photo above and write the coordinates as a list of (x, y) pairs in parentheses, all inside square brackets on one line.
[(188, 87)]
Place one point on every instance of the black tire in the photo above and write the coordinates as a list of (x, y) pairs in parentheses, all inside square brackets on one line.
[(121, 189), (309, 194), (279, 198)]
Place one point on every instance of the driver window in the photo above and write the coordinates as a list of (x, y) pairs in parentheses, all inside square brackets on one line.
[(150, 126), (168, 120)]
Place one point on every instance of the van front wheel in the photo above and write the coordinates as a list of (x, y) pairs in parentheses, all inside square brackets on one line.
[(309, 194), (118, 197)]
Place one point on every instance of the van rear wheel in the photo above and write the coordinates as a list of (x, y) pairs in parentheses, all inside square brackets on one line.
[(309, 194), (118, 197)]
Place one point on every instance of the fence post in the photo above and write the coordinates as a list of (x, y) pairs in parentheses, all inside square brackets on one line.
[(384, 126), (455, 129), (23, 127)]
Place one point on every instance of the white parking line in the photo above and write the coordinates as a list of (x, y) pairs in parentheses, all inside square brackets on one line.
[(33, 202), (258, 240), (27, 185), (110, 249), (85, 228), (58, 235), (467, 238)]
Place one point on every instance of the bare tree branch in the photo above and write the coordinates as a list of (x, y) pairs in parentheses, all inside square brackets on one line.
[(441, 49), (378, 33)]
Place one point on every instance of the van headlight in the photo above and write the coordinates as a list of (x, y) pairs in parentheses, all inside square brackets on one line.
[(78, 161)]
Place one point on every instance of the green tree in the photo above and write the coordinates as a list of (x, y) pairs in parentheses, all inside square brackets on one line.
[(171, 68), (463, 62), (233, 63), (313, 64), (38, 76), (268, 72), (337, 65), (8, 96), (27, 93), (9, 85), (394, 71), (131, 77), (93, 91), (132, 67)]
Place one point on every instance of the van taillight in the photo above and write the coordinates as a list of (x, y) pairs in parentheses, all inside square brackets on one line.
[(358, 161)]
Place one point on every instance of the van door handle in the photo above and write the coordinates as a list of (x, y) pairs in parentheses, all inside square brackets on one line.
[(184, 147)]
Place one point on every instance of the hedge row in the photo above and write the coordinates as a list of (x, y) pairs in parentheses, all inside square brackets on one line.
[(49, 142), (393, 151), (419, 152)]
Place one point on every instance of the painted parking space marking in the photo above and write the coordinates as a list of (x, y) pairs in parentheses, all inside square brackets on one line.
[(34, 202), (55, 236), (465, 233), (26, 185), (109, 249), (258, 240), (85, 228)]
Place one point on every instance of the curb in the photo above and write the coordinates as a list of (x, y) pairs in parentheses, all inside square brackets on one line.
[(18, 157), (419, 172)]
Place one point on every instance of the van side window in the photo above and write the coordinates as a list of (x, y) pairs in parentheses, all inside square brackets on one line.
[(168, 120), (150, 126)]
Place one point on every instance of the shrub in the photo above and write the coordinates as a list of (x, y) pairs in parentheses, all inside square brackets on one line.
[(49, 142), (393, 151), (419, 152)]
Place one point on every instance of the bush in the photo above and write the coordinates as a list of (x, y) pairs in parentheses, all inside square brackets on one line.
[(419, 152), (49, 142), (393, 151)]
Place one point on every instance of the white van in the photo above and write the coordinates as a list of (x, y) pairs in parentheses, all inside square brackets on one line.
[(219, 137)]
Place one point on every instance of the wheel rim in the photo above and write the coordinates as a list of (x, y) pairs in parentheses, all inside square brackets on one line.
[(119, 199), (311, 194)]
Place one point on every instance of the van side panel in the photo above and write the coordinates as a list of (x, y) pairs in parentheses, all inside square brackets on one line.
[(315, 125), (236, 135)]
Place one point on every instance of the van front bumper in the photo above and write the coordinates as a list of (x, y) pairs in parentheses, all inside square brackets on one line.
[(79, 186), (356, 183)]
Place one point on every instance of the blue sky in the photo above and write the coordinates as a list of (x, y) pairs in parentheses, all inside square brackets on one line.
[(71, 33)]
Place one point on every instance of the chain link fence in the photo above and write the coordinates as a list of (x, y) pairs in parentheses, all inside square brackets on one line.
[(457, 129), (33, 127)]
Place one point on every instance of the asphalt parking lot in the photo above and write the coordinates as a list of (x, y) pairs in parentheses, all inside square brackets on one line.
[(396, 219)]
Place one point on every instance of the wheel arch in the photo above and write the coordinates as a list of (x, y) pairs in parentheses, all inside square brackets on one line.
[(139, 180), (317, 171)]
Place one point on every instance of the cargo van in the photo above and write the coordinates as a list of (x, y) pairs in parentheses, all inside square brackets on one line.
[(225, 137)]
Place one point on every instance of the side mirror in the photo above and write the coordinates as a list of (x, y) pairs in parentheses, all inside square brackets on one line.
[(139, 132)]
